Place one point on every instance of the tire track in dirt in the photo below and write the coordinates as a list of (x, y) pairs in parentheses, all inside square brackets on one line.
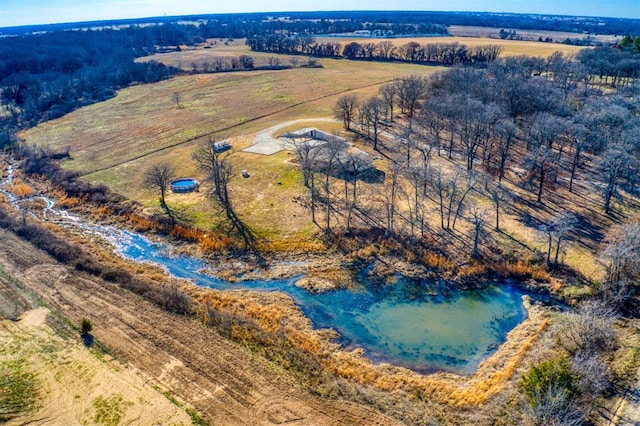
[(223, 381), (226, 129)]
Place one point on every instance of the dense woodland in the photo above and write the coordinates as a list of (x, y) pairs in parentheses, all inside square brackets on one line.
[(548, 118), (45, 76)]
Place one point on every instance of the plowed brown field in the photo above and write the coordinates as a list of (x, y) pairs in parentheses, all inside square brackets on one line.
[(225, 383)]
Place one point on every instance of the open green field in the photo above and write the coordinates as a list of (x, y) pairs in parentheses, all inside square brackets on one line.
[(115, 141)]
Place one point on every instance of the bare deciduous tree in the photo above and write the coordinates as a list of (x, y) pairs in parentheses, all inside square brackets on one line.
[(328, 156), (390, 196), (305, 153), (417, 177), (446, 186), (589, 328), (458, 197), (385, 49), (274, 62), (578, 137), (176, 98), (159, 177), (498, 195), (622, 250), (218, 170), (505, 131), (556, 230), (593, 373), (346, 110), (478, 219), (613, 164), (540, 164), (389, 93), (411, 90), (371, 111), (432, 120)]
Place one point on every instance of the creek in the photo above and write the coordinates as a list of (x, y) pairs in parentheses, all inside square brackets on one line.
[(406, 323)]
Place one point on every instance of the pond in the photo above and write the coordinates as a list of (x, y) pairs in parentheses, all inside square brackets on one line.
[(402, 324)]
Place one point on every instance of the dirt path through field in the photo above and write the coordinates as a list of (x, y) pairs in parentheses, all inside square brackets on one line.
[(224, 382)]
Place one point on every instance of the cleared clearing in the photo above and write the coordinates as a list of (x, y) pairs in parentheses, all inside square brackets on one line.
[(113, 142)]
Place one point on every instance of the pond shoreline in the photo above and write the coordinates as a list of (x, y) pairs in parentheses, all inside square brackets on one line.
[(279, 267)]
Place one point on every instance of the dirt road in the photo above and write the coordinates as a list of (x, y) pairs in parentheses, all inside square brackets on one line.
[(224, 382)]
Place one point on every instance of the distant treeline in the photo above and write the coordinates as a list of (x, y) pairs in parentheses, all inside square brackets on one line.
[(399, 22), (243, 25), (47, 74), (412, 52)]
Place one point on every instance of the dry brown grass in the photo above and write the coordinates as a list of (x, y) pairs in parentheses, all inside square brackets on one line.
[(276, 315), (518, 270), (216, 49)]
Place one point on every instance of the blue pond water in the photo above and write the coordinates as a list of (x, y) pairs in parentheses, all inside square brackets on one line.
[(402, 324)]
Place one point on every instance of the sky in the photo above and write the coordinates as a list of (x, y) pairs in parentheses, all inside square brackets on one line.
[(27, 12)]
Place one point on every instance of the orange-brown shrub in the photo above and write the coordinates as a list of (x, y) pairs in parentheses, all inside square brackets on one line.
[(435, 261), (22, 190), (518, 270)]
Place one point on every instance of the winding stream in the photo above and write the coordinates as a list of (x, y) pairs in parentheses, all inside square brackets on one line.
[(403, 324)]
